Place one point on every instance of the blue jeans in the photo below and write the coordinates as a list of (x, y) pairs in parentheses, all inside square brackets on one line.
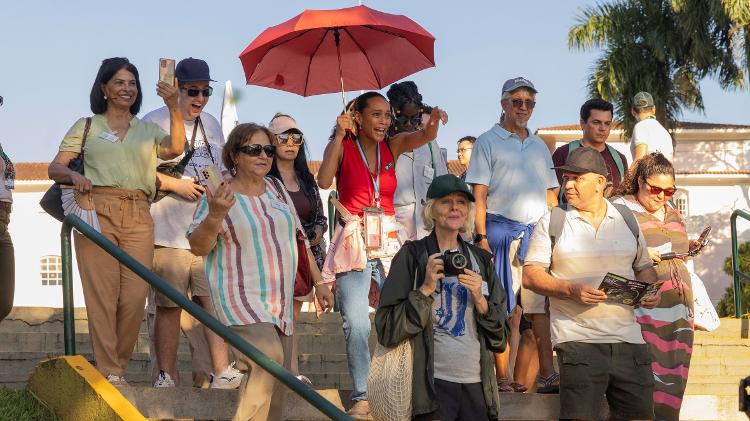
[(352, 289)]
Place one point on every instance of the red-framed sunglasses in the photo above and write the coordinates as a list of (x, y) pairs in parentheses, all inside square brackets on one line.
[(669, 192)]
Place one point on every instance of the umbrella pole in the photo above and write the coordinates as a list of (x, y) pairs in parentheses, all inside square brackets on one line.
[(337, 39)]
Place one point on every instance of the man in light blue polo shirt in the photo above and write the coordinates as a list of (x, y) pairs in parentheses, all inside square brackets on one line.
[(511, 173)]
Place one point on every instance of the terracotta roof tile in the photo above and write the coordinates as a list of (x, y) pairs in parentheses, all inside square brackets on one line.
[(31, 171), (681, 125)]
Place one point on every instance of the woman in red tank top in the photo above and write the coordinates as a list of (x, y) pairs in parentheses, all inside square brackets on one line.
[(362, 159)]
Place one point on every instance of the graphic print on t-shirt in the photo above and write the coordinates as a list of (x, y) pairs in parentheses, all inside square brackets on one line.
[(454, 300)]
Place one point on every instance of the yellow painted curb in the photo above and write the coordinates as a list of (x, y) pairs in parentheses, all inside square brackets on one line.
[(74, 390)]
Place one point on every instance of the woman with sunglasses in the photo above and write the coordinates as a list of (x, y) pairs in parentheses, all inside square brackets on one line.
[(247, 231), (668, 328), (416, 169), (362, 156), (120, 153), (291, 167)]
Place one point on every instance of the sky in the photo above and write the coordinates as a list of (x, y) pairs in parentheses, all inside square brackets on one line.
[(51, 50)]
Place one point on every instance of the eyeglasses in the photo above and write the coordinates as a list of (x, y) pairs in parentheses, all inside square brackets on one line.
[(403, 120), (463, 150), (194, 92), (518, 103), (255, 149), (656, 190), (295, 138)]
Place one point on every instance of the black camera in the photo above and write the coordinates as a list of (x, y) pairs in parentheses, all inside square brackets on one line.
[(454, 262)]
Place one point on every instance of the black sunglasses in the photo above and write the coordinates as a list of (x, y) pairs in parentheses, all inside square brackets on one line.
[(518, 103), (1, 101), (255, 149), (295, 138), (194, 92), (403, 120)]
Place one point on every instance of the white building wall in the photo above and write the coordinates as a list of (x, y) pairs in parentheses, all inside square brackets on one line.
[(36, 234)]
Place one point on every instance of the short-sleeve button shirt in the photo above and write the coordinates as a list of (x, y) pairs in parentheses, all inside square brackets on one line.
[(584, 255), (129, 163), (517, 174)]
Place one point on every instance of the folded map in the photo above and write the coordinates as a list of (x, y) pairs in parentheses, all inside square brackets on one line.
[(621, 290)]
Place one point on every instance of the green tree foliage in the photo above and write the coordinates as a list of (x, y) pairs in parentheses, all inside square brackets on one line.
[(725, 307), (665, 47)]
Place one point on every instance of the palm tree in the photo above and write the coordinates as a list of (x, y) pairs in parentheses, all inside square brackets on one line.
[(665, 47)]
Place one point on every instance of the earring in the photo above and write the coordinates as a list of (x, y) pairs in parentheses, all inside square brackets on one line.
[(105, 96)]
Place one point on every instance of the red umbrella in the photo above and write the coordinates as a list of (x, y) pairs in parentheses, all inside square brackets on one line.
[(324, 51)]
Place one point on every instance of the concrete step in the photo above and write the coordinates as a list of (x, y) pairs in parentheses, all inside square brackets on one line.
[(211, 404)]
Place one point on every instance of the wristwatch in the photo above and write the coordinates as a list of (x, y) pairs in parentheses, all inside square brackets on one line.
[(479, 237)]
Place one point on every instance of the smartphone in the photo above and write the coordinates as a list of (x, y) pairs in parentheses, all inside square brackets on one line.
[(211, 178), (702, 241), (166, 71)]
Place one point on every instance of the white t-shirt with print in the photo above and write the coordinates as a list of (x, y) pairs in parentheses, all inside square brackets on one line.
[(651, 133), (173, 215)]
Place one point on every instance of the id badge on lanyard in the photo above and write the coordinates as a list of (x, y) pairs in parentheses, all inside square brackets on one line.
[(373, 216)]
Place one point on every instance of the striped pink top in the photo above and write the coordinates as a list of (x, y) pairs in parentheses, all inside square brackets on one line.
[(251, 269)]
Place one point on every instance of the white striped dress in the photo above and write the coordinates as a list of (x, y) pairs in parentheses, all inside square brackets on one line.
[(252, 267)]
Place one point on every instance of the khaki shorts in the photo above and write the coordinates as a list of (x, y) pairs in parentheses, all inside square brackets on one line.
[(531, 302), (182, 270)]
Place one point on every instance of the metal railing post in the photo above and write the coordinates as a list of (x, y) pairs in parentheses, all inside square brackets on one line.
[(271, 366), (69, 330), (736, 267)]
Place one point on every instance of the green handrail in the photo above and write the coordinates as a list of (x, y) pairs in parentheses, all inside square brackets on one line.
[(736, 272), (281, 374)]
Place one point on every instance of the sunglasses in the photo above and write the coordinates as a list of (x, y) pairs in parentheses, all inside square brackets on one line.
[(1, 100), (518, 103), (403, 120), (295, 138), (194, 92), (255, 149), (656, 190)]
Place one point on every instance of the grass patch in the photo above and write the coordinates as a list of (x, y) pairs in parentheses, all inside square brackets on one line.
[(21, 405)]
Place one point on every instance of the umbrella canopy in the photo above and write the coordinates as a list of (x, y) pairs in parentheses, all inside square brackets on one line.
[(318, 51)]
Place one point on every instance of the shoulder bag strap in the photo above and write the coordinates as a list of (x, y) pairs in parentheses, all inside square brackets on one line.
[(86, 129), (618, 160), (556, 223)]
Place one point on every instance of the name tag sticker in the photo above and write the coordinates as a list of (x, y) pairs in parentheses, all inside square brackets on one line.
[(110, 137), (485, 288), (429, 172), (280, 206)]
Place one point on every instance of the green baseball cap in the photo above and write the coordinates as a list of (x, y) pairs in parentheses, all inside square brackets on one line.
[(446, 184), (643, 100)]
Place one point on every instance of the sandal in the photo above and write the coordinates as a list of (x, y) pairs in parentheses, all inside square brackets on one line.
[(549, 384), (506, 386)]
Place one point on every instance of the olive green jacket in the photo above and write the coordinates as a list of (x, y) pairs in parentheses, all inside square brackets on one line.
[(405, 313)]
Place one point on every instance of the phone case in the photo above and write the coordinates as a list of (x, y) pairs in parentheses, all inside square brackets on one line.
[(166, 71), (211, 177)]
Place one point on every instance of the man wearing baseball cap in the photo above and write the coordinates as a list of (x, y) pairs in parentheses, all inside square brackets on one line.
[(648, 134), (514, 184), (172, 215), (599, 345)]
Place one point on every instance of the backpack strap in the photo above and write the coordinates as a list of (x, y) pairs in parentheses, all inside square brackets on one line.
[(629, 218), (556, 223), (618, 160)]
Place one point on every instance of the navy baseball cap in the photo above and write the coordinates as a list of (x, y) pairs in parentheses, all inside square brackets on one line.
[(192, 70), (511, 85)]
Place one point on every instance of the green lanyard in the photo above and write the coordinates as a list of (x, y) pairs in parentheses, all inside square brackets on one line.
[(432, 158)]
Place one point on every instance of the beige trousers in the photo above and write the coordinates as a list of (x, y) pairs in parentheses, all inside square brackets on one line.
[(261, 395), (114, 295)]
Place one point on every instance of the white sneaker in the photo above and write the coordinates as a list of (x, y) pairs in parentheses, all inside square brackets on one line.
[(163, 380), (230, 378), (116, 380)]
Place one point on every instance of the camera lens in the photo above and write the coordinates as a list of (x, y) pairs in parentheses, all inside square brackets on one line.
[(459, 261)]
